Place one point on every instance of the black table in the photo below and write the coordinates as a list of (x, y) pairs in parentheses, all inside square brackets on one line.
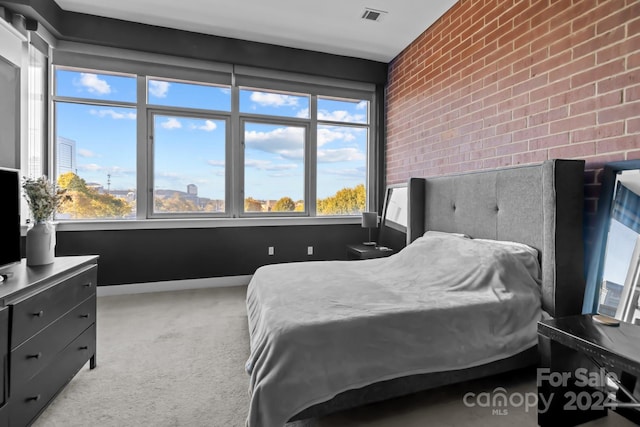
[(360, 251), (577, 353)]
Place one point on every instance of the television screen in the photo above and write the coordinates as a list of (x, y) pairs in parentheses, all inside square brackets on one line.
[(9, 217)]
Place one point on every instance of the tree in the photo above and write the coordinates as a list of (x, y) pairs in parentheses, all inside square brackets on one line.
[(87, 202), (348, 201), (252, 205), (285, 204), (174, 203)]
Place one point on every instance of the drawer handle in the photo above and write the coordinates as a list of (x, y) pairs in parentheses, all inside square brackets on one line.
[(84, 347), (34, 356), (84, 316), (33, 398), (39, 313), (88, 284)]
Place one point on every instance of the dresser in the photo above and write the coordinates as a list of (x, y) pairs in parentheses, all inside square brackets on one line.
[(47, 333)]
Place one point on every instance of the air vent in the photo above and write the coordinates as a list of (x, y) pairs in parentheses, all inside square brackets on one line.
[(373, 14)]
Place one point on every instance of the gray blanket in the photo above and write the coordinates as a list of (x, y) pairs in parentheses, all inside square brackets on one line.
[(444, 302)]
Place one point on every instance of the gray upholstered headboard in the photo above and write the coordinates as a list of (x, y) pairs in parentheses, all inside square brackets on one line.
[(540, 205)]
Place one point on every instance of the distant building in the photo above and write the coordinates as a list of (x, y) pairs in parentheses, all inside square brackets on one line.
[(192, 190), (65, 155)]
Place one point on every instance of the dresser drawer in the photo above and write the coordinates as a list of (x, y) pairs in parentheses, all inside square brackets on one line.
[(34, 313), (29, 399), (37, 352)]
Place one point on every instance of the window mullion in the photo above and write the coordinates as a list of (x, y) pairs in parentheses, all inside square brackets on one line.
[(143, 150), (312, 157)]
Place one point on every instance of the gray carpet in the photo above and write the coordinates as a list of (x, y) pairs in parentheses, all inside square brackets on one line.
[(177, 359)]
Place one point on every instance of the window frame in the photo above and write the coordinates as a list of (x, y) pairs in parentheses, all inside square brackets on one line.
[(273, 120), (124, 62), (194, 114)]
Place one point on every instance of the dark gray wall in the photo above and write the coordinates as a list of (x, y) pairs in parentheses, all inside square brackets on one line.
[(139, 256)]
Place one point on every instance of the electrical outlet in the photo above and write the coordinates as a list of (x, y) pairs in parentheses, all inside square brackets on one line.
[(309, 250), (271, 251)]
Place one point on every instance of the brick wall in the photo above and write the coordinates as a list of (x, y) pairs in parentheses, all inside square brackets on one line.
[(504, 82)]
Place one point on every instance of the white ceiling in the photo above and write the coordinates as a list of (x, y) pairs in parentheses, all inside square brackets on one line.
[(332, 26)]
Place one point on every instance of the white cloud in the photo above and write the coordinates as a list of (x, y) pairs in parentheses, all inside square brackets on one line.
[(216, 163), (340, 155), (303, 113), (330, 134), (116, 115), (113, 170), (158, 88), (267, 99), (267, 165), (362, 105), (287, 142), (82, 152), (346, 173), (171, 123), (209, 125), (94, 84), (341, 116), (92, 167)]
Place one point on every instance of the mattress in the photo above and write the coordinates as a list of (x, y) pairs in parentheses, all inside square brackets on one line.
[(444, 302)]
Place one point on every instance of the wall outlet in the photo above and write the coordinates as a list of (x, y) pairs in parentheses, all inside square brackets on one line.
[(271, 250), (309, 250)]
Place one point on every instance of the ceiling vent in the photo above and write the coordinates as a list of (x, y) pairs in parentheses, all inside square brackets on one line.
[(373, 14)]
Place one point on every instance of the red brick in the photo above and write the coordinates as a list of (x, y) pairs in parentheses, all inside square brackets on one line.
[(618, 19), (530, 157), (620, 81), (574, 122), (573, 151), (549, 141), (622, 112), (598, 132), (617, 144), (598, 73), (633, 125)]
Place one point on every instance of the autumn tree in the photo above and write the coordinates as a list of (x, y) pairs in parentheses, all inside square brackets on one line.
[(285, 204), (348, 201), (87, 202), (252, 205), (174, 203)]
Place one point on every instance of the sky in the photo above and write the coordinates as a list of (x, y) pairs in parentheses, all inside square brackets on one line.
[(190, 150)]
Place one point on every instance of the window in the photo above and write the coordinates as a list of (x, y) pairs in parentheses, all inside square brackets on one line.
[(189, 166), (136, 146), (342, 156), (95, 144), (188, 95), (274, 172)]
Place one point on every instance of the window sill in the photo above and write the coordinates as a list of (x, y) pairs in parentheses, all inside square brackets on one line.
[(150, 224)]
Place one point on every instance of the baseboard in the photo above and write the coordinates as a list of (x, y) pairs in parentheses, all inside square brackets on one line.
[(173, 285)]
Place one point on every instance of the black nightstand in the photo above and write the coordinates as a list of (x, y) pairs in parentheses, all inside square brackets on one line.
[(360, 251), (575, 353)]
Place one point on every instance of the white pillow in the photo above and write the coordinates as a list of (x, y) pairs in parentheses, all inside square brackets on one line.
[(513, 245), (435, 233)]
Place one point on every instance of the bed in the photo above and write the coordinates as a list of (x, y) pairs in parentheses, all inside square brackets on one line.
[(332, 335)]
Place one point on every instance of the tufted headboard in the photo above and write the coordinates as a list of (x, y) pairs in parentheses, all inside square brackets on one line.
[(540, 205)]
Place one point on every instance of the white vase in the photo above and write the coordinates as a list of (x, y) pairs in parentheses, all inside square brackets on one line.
[(41, 243)]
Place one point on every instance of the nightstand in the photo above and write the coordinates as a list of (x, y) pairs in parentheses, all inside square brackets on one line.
[(360, 251), (577, 355)]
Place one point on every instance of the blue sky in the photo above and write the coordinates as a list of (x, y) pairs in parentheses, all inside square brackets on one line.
[(190, 150)]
